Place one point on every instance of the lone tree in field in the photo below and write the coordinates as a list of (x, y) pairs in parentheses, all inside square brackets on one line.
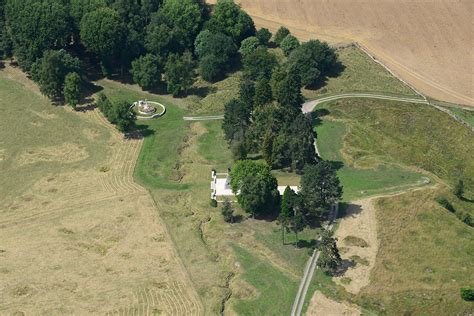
[(320, 188), (256, 187), (459, 189), (72, 89), (227, 211), (330, 259)]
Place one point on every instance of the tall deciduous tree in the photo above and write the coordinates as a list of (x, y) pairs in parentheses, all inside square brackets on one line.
[(215, 52), (179, 73), (35, 26), (320, 188), (280, 35), (79, 8), (256, 187), (102, 33), (289, 44), (50, 71), (264, 36), (249, 45), (72, 89), (231, 20), (247, 93), (260, 63), (146, 71), (311, 60)]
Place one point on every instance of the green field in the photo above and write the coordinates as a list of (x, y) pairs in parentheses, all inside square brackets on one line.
[(466, 115), (360, 74), (377, 177)]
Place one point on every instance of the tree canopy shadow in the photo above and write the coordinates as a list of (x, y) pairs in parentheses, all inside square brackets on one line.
[(348, 210), (322, 80), (202, 92), (317, 114), (345, 265)]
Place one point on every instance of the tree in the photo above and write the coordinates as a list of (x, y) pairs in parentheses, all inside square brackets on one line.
[(236, 119), (184, 17), (301, 142), (287, 211), (179, 73), (263, 92), (288, 44), (459, 189), (249, 45), (102, 34), (72, 89), (50, 71), (160, 39), (247, 93), (287, 92), (281, 34), (104, 105), (311, 60), (146, 71), (79, 8), (122, 117), (329, 259), (35, 26), (215, 52), (260, 63), (255, 186), (229, 19), (320, 188), (227, 211), (264, 36)]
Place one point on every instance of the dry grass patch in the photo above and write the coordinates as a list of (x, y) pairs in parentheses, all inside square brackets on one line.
[(65, 153), (322, 305)]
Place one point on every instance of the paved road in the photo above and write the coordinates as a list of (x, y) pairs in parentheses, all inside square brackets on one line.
[(203, 118), (310, 105)]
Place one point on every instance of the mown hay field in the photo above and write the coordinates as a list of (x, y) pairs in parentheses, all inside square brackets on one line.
[(77, 234)]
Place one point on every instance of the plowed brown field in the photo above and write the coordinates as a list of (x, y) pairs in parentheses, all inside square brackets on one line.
[(429, 43)]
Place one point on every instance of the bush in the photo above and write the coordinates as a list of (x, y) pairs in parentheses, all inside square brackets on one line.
[(445, 203), (467, 294), (213, 203), (465, 218)]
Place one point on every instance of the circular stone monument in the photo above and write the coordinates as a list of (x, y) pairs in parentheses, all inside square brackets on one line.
[(148, 109)]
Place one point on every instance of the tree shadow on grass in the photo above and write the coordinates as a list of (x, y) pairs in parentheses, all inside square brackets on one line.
[(345, 265), (317, 114), (322, 80)]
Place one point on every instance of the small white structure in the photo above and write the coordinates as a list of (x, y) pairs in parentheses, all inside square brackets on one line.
[(220, 186), (145, 108)]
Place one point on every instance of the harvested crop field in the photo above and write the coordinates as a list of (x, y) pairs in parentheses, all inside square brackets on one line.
[(77, 234), (429, 43)]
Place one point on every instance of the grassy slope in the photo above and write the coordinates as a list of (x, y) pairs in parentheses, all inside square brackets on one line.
[(403, 133), (466, 115), (357, 182), (360, 74), (33, 123), (425, 256)]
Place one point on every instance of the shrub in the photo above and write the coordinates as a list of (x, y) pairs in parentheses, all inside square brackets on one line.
[(465, 218), (213, 203), (445, 203), (467, 294)]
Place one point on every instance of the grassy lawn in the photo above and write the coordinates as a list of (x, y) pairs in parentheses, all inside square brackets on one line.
[(360, 74), (361, 182), (276, 291)]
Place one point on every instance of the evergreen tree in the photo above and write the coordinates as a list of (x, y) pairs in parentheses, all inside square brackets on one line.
[(247, 93), (287, 211), (236, 119), (329, 259), (288, 93), (263, 92), (227, 211)]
